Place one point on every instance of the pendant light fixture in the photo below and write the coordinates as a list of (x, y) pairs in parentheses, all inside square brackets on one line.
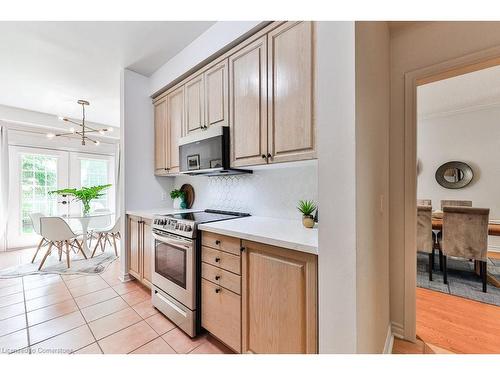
[(83, 129)]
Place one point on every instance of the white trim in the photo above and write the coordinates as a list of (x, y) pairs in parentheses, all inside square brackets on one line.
[(389, 341), (397, 330)]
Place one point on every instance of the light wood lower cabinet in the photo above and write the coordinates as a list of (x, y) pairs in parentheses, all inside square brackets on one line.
[(269, 305), (279, 300), (139, 248)]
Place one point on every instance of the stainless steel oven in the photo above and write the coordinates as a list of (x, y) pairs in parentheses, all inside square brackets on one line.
[(174, 278)]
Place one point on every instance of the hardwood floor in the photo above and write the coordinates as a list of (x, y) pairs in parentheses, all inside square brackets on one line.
[(457, 324)]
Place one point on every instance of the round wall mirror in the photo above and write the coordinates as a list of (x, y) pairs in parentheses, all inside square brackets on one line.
[(454, 175)]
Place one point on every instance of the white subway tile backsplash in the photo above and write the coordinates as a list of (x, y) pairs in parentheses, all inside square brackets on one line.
[(269, 192)]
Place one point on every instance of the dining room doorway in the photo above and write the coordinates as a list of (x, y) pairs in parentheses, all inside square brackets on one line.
[(451, 111)]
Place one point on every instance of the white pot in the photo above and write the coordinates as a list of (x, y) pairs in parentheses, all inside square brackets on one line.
[(177, 203)]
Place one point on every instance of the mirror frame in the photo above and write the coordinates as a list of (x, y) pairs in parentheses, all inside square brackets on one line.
[(464, 167)]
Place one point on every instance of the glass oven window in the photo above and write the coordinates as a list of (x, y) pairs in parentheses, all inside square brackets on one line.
[(170, 262)]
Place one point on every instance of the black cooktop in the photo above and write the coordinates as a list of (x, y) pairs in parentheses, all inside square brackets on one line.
[(207, 216)]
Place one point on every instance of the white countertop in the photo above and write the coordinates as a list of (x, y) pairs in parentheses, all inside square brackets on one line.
[(149, 213), (286, 233)]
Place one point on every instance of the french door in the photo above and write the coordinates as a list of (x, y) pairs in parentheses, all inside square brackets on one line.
[(34, 172)]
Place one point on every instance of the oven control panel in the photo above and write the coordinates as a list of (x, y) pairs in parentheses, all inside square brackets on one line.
[(180, 227)]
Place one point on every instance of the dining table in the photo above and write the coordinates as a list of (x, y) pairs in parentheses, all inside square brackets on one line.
[(85, 220), (493, 230)]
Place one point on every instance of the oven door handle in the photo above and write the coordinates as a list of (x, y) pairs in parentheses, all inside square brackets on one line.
[(173, 306), (186, 244)]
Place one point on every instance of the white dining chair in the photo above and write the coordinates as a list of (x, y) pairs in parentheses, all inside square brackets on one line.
[(59, 234), (35, 222), (104, 235), (99, 222)]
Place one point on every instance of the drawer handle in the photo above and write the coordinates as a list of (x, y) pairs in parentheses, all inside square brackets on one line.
[(217, 242), (217, 259), (217, 277), (217, 290)]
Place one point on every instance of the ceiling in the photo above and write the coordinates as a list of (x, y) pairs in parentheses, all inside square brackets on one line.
[(467, 92), (48, 66)]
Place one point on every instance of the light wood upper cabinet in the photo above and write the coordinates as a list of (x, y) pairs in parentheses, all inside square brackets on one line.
[(134, 245), (279, 300), (147, 252), (175, 124), (160, 124), (291, 92), (247, 104), (216, 96), (195, 104)]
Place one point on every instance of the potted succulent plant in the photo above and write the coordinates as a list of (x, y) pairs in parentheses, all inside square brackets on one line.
[(179, 198), (85, 194), (307, 209)]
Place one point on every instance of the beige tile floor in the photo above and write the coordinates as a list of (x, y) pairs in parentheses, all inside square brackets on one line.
[(86, 315)]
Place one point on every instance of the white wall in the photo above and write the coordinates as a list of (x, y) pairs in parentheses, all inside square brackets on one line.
[(142, 189), (270, 192), (372, 185), (335, 118), (471, 137), (210, 42)]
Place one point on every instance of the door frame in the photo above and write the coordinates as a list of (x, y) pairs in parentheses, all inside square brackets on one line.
[(446, 69)]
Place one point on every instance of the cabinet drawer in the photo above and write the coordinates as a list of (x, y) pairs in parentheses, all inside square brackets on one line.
[(217, 258), (221, 242), (223, 278), (221, 314)]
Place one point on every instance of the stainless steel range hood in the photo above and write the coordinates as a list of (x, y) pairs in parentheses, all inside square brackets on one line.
[(206, 153)]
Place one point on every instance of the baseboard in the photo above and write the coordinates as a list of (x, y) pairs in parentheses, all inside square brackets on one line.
[(126, 277), (389, 340), (494, 249), (397, 330)]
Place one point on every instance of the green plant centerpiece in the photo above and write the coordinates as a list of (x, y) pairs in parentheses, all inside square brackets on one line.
[(179, 198), (307, 209), (85, 194)]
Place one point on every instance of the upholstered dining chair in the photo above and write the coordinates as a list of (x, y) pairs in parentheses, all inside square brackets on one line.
[(425, 242), (455, 203), (424, 202), (35, 221), (60, 235), (465, 235), (104, 235)]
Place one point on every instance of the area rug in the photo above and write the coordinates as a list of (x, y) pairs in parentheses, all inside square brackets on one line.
[(92, 266), (462, 281)]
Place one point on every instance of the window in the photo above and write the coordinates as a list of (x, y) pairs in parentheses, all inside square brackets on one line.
[(38, 177), (95, 172)]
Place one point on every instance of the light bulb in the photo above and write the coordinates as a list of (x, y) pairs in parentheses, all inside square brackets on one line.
[(102, 131), (109, 129), (60, 118), (72, 130), (50, 135), (97, 143)]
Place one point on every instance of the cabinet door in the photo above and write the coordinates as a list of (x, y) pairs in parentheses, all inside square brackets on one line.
[(247, 104), (160, 123), (134, 246), (291, 92), (216, 98), (175, 123), (147, 252), (279, 300), (195, 104), (221, 313)]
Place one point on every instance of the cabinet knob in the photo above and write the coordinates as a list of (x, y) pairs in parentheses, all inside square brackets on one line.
[(217, 290), (242, 248), (217, 277), (217, 242), (263, 156), (217, 259), (269, 156)]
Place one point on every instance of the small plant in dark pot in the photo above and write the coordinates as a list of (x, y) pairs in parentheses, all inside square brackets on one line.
[(179, 198), (307, 209)]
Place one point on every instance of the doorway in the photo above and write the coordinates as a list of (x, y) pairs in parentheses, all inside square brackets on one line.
[(414, 80)]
